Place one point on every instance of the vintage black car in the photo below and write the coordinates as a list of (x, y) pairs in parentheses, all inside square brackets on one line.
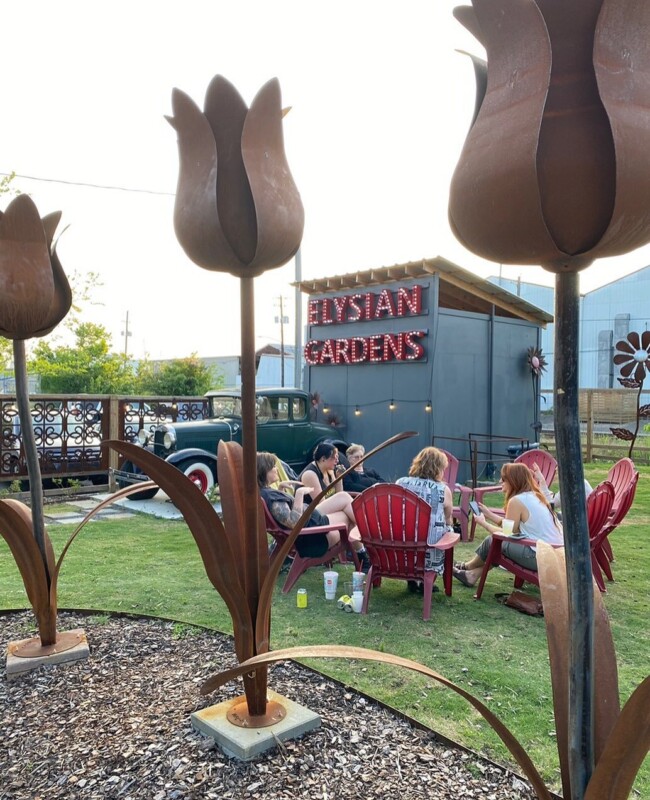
[(284, 427)]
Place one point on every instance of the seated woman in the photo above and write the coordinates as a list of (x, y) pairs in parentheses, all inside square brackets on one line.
[(533, 518), (287, 510), (321, 472), (425, 479), (360, 478)]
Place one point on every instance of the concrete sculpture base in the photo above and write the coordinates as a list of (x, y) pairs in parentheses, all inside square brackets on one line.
[(27, 654), (246, 743)]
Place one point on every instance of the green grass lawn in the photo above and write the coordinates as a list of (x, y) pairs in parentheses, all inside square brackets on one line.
[(143, 565)]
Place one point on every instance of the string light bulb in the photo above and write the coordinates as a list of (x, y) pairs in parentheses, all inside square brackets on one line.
[(391, 405), (428, 406), (357, 411), (326, 408)]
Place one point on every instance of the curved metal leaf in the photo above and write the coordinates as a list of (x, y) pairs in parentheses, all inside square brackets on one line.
[(208, 532), (625, 750), (553, 587), (16, 528), (339, 651)]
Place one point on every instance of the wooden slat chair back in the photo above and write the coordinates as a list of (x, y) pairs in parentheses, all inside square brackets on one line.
[(620, 476), (302, 563), (450, 477), (599, 506), (394, 525), (599, 546)]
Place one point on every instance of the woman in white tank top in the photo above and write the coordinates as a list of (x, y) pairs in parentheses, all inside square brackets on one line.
[(533, 518)]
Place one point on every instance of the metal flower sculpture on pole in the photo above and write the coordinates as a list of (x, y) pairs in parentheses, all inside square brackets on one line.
[(238, 210), (555, 171), (34, 297), (633, 358)]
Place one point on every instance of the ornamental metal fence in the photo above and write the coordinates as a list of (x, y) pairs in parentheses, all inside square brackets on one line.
[(69, 431)]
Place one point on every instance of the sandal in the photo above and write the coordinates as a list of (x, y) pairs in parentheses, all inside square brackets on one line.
[(461, 565), (461, 575)]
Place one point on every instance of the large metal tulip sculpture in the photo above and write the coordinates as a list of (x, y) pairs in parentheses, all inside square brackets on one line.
[(238, 210), (555, 171)]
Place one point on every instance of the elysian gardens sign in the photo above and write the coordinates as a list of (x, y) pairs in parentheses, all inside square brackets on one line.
[(366, 307)]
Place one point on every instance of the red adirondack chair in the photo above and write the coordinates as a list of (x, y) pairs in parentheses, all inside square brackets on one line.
[(302, 563), (545, 461), (599, 506), (394, 525), (620, 476), (450, 477), (616, 516)]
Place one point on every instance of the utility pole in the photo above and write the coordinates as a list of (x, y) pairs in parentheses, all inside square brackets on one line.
[(297, 376), (126, 333), (281, 300)]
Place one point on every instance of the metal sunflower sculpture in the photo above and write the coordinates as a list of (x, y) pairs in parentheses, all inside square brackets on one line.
[(633, 358)]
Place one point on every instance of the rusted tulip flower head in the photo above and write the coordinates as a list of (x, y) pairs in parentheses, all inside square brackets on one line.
[(555, 168), (237, 207), (34, 291)]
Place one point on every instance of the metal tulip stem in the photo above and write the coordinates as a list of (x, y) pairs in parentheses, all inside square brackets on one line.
[(255, 683), (31, 454), (574, 520)]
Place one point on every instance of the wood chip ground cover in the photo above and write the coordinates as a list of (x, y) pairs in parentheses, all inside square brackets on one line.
[(118, 726)]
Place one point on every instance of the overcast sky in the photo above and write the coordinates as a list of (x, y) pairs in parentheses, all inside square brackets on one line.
[(380, 99)]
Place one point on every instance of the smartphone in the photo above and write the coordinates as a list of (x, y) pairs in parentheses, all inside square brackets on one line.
[(474, 508)]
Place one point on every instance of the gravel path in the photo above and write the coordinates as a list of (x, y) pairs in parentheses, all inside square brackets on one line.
[(117, 726)]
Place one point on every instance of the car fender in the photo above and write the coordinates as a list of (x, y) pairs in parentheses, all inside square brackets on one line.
[(193, 452)]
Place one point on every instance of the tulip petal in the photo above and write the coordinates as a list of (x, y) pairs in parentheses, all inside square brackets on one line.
[(494, 205), (468, 19), (62, 299), (226, 112), (26, 280), (622, 67), (480, 78), (575, 158), (50, 224), (195, 212), (280, 215)]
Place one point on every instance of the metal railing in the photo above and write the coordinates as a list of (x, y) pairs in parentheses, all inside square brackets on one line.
[(69, 431)]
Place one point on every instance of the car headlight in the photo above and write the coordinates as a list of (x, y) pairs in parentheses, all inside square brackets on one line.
[(143, 437), (169, 439)]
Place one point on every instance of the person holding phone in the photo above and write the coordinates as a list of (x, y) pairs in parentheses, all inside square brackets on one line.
[(531, 514)]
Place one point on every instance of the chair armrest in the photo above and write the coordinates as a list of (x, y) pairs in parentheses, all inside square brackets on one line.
[(341, 527), (530, 542), (447, 541)]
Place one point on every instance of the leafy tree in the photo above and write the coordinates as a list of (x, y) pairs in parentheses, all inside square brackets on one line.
[(181, 377), (87, 367)]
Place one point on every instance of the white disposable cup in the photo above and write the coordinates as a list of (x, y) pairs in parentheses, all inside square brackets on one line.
[(331, 580), (357, 602), (507, 525), (358, 579)]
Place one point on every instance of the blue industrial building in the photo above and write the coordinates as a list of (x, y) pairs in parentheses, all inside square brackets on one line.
[(607, 314)]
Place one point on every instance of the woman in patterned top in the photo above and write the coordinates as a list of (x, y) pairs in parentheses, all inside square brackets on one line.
[(425, 479)]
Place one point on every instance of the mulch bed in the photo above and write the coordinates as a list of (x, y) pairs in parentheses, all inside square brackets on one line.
[(117, 726)]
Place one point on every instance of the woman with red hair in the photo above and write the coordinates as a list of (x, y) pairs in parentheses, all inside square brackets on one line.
[(532, 517)]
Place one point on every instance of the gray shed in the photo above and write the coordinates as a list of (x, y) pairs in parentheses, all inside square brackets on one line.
[(425, 346)]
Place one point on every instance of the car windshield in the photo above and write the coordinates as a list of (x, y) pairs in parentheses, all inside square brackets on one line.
[(226, 406)]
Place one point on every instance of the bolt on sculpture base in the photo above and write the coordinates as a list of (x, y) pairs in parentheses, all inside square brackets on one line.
[(246, 742), (27, 654)]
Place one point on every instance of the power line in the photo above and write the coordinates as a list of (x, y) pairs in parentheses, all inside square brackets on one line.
[(88, 185)]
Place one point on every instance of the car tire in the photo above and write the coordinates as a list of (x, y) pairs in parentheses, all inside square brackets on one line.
[(199, 473), (146, 495)]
